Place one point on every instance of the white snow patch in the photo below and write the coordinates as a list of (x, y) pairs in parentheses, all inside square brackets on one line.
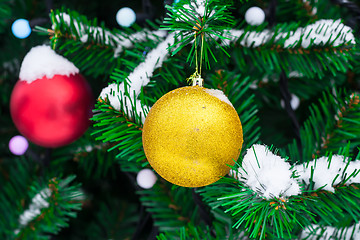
[(218, 94), (154, 59), (38, 202), (295, 74), (112, 94), (321, 32), (324, 174), (267, 173), (328, 176), (353, 167), (231, 36), (115, 92), (42, 61), (271, 176), (129, 40), (328, 31), (316, 232), (256, 39), (118, 41), (198, 5)]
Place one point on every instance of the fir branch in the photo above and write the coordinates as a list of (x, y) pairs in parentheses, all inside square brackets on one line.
[(124, 134), (199, 23), (15, 178), (317, 231), (171, 75), (5, 14), (124, 95), (94, 49), (332, 124), (256, 205), (353, 9), (51, 210), (188, 232), (91, 156), (306, 88), (114, 219), (171, 207), (303, 11), (262, 219), (72, 25), (290, 48), (326, 206), (203, 211)]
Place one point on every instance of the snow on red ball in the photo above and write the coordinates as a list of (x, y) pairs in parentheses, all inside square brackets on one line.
[(52, 112)]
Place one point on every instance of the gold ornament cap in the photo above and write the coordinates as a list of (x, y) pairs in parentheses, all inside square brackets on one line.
[(190, 136)]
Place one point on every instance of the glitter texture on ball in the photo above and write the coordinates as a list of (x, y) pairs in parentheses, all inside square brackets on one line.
[(191, 136)]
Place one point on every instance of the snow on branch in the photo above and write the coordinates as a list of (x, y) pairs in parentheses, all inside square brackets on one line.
[(316, 232), (198, 6), (38, 202), (267, 173), (137, 79), (325, 31), (329, 172), (272, 177), (118, 41)]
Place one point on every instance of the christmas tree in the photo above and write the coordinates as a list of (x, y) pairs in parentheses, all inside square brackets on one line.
[(144, 168)]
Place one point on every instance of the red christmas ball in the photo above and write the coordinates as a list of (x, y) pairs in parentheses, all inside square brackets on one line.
[(52, 112)]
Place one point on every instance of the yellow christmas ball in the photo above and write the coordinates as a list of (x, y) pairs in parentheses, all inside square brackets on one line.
[(191, 134)]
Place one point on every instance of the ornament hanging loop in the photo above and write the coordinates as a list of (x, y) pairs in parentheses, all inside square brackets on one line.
[(196, 78), (198, 81)]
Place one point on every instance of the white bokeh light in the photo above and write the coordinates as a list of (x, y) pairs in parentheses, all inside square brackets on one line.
[(21, 28), (254, 16), (18, 145), (146, 178), (125, 17)]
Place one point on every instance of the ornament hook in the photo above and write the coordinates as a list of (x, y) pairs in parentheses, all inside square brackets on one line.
[(198, 81), (195, 79)]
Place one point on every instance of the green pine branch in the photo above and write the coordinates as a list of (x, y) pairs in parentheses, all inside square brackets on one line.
[(122, 133), (200, 28), (298, 11), (64, 200), (188, 232), (270, 56), (91, 156), (5, 14), (286, 217), (114, 219), (16, 174), (258, 217), (171, 75), (332, 124), (93, 48), (171, 207)]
